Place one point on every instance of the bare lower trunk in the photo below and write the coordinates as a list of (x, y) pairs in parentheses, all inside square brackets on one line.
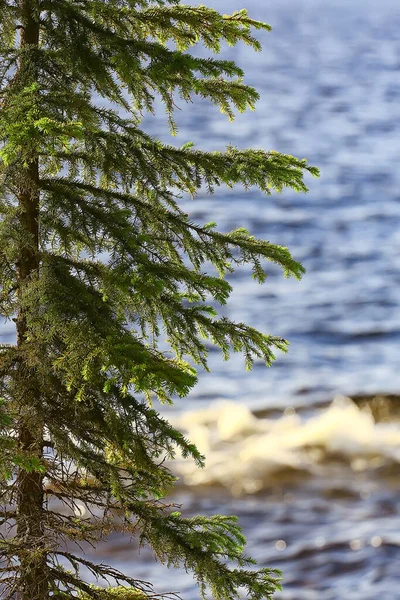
[(30, 495), (33, 564)]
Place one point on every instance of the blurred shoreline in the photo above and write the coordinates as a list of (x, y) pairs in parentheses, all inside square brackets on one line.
[(248, 451)]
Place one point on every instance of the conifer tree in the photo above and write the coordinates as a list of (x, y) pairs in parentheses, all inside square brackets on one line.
[(99, 263)]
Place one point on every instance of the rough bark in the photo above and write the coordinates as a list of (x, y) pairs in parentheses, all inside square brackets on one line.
[(30, 494)]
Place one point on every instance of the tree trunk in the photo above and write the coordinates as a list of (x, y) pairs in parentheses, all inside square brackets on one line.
[(30, 494)]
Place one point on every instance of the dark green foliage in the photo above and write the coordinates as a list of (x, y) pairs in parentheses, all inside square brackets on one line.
[(79, 182)]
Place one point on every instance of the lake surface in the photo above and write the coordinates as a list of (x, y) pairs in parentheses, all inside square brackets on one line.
[(314, 481), (329, 79)]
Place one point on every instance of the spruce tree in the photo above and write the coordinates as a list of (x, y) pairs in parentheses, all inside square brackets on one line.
[(98, 265)]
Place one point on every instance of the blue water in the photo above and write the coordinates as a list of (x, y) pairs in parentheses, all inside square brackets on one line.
[(329, 79)]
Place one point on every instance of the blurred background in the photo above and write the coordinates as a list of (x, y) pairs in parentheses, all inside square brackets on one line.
[(312, 474)]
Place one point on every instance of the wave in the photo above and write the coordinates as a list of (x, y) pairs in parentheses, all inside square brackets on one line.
[(245, 453)]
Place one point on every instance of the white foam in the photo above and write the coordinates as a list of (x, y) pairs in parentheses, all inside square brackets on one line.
[(244, 452)]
